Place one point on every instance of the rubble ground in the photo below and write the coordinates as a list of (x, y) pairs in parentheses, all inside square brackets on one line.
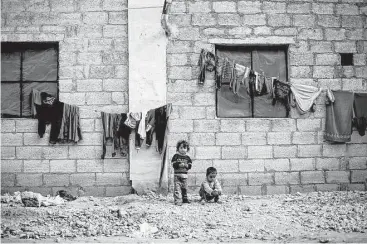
[(310, 217)]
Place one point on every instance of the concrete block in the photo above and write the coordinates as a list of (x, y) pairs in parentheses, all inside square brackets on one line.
[(301, 188), (101, 71), (61, 6), (85, 152), (114, 5), (232, 125), (182, 125), (33, 139), (55, 152), (286, 125), (115, 57), (12, 139), (29, 179), (309, 150), (291, 178), (83, 179), (254, 165), (199, 7), (111, 179), (304, 20), (308, 177), (298, 8), (180, 72), (279, 138), (175, 137), (272, 165), (261, 30), (347, 9), (323, 72), (99, 44), (337, 176), (233, 190), (327, 187), (285, 151), (119, 18), (234, 152), (260, 178), (226, 165), (285, 31), (36, 166), (206, 125), (323, 8), (10, 166), (356, 187), (300, 72), (29, 152), (300, 164), (352, 21), (260, 151), (357, 150), (192, 112), (7, 152), (232, 179), (204, 19), (304, 138), (7, 125), (87, 125), (310, 34), (56, 179), (7, 179), (200, 166), (89, 85), (228, 139), (179, 47), (328, 21), (94, 191), (327, 163), (361, 72), (279, 20), (358, 176), (345, 47), (308, 124), (62, 166), (178, 7), (254, 138), (177, 59), (26, 125), (202, 139), (273, 7), (69, 19), (249, 7), (274, 190), (327, 59), (229, 19), (95, 18), (254, 19), (209, 152), (320, 46), (117, 191), (116, 165), (188, 33), (250, 190), (358, 163), (258, 125), (224, 7), (334, 150), (73, 98), (180, 19)]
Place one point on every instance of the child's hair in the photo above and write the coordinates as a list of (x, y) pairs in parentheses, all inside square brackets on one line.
[(210, 170), (184, 143)]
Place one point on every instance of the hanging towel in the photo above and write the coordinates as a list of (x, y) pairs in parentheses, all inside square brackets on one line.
[(338, 126), (35, 100), (360, 112), (70, 124), (305, 96)]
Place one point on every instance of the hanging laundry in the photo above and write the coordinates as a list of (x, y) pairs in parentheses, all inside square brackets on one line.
[(206, 62), (224, 71), (305, 96), (132, 119), (35, 100), (150, 125), (360, 112), (123, 133), (165, 140), (338, 125), (160, 126), (141, 131), (70, 124), (110, 123), (281, 94), (50, 111), (239, 75)]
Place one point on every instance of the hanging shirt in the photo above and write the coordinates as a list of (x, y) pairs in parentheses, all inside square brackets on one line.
[(360, 112), (305, 96), (70, 124)]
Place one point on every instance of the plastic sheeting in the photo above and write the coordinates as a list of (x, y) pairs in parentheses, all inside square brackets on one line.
[(10, 66), (269, 62), (40, 65)]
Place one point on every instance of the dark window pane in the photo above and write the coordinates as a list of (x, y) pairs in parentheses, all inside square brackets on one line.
[(263, 108), (10, 66), (10, 99), (50, 88), (230, 105), (236, 54), (271, 62), (40, 65)]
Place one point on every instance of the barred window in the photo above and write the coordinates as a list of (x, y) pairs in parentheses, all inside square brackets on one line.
[(270, 61), (26, 66)]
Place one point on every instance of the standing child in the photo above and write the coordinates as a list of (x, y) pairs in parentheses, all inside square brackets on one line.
[(210, 189), (181, 164)]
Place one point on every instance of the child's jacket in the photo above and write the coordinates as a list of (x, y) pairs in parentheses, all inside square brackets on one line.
[(209, 187), (177, 159)]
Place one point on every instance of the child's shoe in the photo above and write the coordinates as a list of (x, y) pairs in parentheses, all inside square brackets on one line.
[(186, 201)]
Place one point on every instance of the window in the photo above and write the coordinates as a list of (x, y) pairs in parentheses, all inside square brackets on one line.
[(269, 61), (346, 59), (26, 66)]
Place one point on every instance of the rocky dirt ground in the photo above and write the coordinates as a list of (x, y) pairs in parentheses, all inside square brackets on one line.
[(312, 217)]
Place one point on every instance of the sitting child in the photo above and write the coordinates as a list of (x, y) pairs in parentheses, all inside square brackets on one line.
[(210, 189)]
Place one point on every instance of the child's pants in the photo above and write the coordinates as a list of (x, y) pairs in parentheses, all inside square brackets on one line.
[(180, 185), (207, 197)]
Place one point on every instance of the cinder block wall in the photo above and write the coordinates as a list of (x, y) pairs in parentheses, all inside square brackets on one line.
[(269, 156), (92, 36)]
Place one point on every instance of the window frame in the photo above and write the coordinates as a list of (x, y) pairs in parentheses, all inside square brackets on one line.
[(252, 48), (22, 47)]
